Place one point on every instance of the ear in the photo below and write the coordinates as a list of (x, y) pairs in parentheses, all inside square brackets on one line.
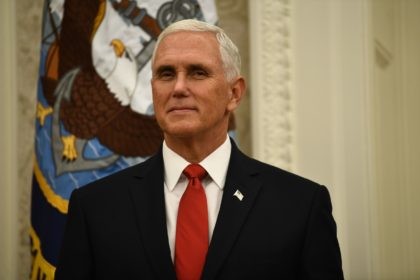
[(237, 91)]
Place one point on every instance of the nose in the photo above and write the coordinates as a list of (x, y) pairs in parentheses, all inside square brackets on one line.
[(180, 86)]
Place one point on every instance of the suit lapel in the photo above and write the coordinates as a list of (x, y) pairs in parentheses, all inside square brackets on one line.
[(149, 203), (233, 211)]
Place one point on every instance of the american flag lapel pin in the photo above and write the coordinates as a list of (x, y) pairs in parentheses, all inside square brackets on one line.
[(238, 195)]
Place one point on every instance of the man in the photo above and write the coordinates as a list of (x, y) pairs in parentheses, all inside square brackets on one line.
[(146, 222)]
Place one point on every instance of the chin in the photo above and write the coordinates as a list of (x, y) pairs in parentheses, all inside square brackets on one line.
[(181, 131)]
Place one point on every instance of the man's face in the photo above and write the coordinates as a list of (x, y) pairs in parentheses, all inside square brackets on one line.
[(190, 92)]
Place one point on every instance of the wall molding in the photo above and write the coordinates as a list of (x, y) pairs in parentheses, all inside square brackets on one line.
[(270, 69)]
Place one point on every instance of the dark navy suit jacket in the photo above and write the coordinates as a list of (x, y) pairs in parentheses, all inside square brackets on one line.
[(282, 229)]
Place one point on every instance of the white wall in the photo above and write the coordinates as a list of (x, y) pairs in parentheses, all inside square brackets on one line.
[(331, 85), (395, 115)]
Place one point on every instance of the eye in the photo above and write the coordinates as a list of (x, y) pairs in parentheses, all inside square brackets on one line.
[(199, 74), (165, 74)]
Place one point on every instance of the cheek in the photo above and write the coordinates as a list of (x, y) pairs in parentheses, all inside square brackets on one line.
[(158, 95), (221, 99), (158, 106)]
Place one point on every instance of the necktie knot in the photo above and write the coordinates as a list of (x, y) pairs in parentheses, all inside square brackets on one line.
[(195, 170)]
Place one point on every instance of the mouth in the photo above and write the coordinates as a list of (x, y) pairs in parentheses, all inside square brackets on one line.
[(181, 109)]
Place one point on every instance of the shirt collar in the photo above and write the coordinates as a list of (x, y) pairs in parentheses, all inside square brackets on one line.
[(216, 164)]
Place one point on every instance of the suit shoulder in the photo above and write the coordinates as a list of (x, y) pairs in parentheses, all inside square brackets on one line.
[(115, 182), (275, 174)]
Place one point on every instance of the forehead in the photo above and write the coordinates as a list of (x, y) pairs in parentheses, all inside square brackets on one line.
[(188, 45)]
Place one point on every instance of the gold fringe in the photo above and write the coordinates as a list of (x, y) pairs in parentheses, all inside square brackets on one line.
[(55, 200), (41, 268)]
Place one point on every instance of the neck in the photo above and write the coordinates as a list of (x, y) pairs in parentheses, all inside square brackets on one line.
[(192, 149)]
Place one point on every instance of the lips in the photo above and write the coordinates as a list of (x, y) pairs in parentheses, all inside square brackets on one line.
[(181, 109)]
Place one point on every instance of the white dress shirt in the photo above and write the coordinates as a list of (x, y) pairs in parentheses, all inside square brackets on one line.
[(216, 165)]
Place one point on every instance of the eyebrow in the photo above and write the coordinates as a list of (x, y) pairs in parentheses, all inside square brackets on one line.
[(163, 68), (196, 66), (190, 67)]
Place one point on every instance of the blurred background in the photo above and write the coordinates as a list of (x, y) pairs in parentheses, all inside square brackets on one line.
[(333, 95)]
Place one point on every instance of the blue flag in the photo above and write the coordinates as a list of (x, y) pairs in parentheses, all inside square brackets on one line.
[(94, 111)]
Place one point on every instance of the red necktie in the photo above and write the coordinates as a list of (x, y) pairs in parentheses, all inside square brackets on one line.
[(192, 229)]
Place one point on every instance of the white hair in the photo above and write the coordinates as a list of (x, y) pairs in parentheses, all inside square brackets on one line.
[(228, 51)]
